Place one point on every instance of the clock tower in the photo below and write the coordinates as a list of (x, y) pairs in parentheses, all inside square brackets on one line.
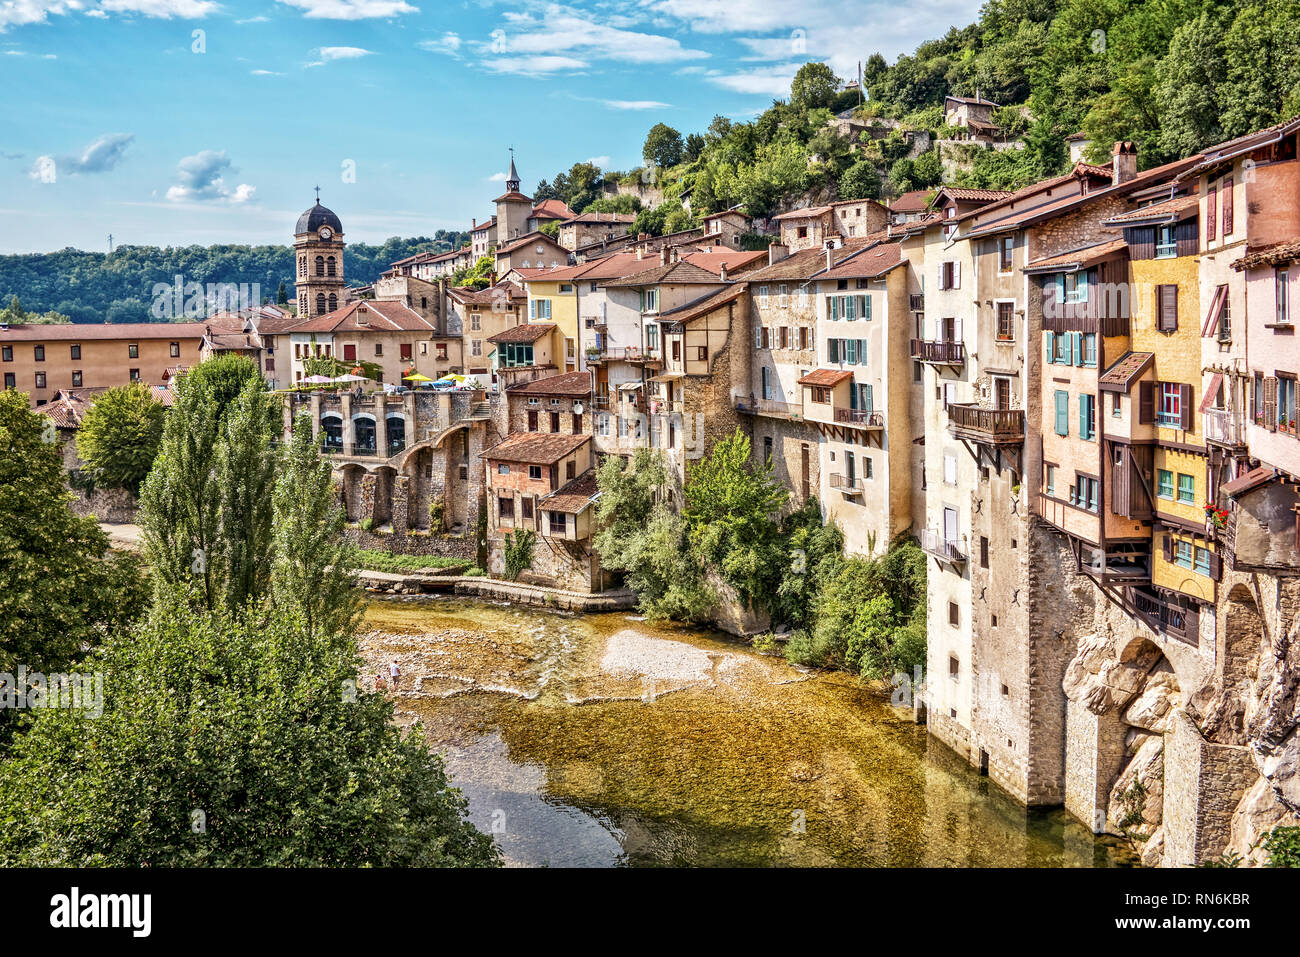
[(318, 261)]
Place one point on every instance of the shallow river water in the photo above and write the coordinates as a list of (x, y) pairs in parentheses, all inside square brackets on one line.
[(601, 740)]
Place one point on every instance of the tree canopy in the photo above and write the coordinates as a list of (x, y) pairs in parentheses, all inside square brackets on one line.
[(119, 435)]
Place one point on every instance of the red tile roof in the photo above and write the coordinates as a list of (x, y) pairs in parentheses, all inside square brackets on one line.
[(808, 212), (704, 304), (537, 448), (1275, 254), (575, 384), (515, 196), (575, 496), (867, 263), (1074, 258), (678, 272), (1168, 211), (1127, 369), (1249, 481), (84, 332), (533, 237), (825, 377), (914, 201), (367, 315), (552, 209), (526, 332)]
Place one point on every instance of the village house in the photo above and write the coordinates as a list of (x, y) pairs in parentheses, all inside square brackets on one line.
[(389, 334), (480, 314), (589, 229)]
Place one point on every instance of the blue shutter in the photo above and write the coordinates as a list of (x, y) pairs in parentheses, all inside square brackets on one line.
[(868, 402), (1069, 349), (866, 307), (1062, 413), (1083, 416), (832, 350), (1051, 347), (851, 353), (862, 352), (835, 308)]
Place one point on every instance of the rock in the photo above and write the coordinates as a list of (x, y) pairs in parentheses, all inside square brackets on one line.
[(1153, 708), (1099, 680), (1134, 740), (1258, 813), (1153, 851), (1148, 767)]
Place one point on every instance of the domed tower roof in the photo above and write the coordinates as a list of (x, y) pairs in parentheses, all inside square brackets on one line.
[(316, 217)]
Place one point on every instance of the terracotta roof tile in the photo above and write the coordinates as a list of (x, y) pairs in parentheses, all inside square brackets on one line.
[(525, 332), (575, 496), (1275, 254), (575, 384), (1078, 257), (1126, 370), (704, 304), (867, 263), (367, 315), (537, 448), (678, 272), (84, 332), (825, 377), (1168, 211)]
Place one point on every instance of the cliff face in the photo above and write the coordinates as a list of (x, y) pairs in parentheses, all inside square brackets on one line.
[(1194, 742)]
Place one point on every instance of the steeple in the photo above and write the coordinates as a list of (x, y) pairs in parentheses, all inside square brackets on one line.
[(512, 182)]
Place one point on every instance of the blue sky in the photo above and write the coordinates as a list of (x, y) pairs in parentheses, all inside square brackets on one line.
[(118, 118)]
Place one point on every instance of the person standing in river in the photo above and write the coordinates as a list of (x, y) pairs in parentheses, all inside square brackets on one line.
[(395, 674)]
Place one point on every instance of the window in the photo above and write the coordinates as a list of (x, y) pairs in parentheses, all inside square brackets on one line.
[(539, 308), (505, 508), (570, 469), (954, 619), (40, 380), (503, 469), (868, 469), (1060, 349), (320, 265), (1228, 224), (949, 469), (650, 300), (1211, 214), (821, 395), (1087, 417), (10, 381), (803, 337), (1186, 489), (1086, 493), (1062, 412), (534, 472), (7, 353), (320, 302), (783, 337), (767, 450), (1051, 480), (1170, 410), (1166, 308), (1283, 299), (76, 378), (1006, 322), (1116, 404), (526, 508), (76, 352), (1183, 553), (329, 266), (476, 347), (135, 375), (1006, 252), (1166, 244), (475, 321), (559, 523), (1075, 288), (984, 552), (132, 351), (1088, 350), (1165, 484), (1201, 563)]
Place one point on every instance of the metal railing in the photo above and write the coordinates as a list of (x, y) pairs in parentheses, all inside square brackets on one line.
[(1223, 427), (934, 543), (846, 483), (751, 404), (867, 418)]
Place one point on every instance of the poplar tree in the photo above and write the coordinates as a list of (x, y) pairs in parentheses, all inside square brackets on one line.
[(245, 475), (311, 564)]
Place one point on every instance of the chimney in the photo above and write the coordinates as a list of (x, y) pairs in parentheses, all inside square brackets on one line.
[(776, 252), (675, 254), (663, 255), (722, 271), (640, 253), (1124, 162), (830, 256)]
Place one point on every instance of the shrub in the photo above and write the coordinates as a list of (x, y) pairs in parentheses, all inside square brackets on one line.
[(518, 550)]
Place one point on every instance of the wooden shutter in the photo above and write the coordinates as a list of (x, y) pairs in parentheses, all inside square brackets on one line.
[(943, 275), (1185, 405), (956, 274), (1146, 403), (1167, 305), (1216, 566), (1228, 224), (1211, 214), (1168, 547), (1270, 403), (1062, 413), (1051, 346)]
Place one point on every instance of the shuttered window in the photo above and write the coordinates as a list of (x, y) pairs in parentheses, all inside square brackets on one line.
[(1087, 416), (1167, 308), (1211, 214), (1062, 413), (1228, 224)]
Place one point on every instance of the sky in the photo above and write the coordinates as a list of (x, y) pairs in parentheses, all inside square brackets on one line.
[(172, 122)]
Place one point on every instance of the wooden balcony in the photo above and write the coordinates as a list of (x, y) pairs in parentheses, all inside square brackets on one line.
[(1165, 617), (863, 418), (992, 436), (939, 352), (942, 549), (848, 485)]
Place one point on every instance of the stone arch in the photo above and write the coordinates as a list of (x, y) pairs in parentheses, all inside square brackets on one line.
[(385, 485), (364, 434), (1243, 635), (352, 479), (396, 426)]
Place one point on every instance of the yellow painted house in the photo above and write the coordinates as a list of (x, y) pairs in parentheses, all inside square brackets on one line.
[(1164, 290), (553, 297)]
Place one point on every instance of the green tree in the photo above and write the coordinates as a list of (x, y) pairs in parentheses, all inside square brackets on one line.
[(693, 148), (663, 146), (814, 86), (311, 565), (860, 181), (61, 589), (1188, 91), (230, 740), (281, 295), (628, 493), (732, 509), (119, 435)]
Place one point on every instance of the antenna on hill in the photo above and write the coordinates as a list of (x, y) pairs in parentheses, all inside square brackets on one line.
[(110, 244)]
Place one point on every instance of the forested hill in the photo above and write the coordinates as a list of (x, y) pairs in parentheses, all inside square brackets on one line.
[(1173, 76), (118, 286)]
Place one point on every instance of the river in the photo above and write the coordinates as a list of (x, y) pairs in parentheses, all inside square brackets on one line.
[(601, 740)]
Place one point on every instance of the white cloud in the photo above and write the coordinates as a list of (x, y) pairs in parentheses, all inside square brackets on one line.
[(600, 162), (449, 44), (100, 156), (636, 104), (330, 54), (558, 34), (265, 73), (350, 9), (201, 178), (253, 20), (534, 65), (163, 9), (498, 177), (771, 81), (20, 12)]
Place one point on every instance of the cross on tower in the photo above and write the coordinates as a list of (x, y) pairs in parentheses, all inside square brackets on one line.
[(318, 194)]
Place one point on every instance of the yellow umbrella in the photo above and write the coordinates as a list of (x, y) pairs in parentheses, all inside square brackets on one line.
[(417, 377)]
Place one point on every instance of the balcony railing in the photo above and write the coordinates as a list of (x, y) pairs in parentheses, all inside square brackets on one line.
[(916, 303), (866, 418), (939, 351), (354, 448), (1165, 616), (944, 549), (849, 485), (792, 410), (630, 354), (999, 426), (1222, 427)]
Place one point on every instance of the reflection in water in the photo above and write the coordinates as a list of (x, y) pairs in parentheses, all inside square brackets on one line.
[(601, 740)]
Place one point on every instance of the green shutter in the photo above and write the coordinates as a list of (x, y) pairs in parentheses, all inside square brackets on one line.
[(1051, 347), (1083, 416), (1062, 412), (835, 308), (1068, 358), (866, 307)]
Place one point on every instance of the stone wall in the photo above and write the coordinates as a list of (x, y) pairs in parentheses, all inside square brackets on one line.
[(113, 505), (420, 544)]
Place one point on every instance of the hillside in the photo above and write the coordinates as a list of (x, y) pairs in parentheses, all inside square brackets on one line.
[(118, 286)]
